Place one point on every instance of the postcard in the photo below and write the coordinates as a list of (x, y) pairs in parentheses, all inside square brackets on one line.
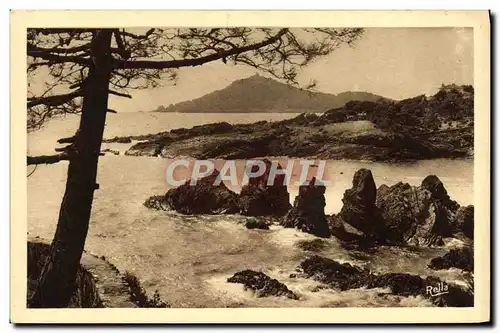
[(250, 167)]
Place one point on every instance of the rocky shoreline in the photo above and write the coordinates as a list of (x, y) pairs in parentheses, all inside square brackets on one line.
[(398, 215), (422, 127), (305, 136), (99, 283)]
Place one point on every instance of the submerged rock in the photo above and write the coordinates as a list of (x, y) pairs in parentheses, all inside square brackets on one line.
[(464, 221), (359, 209), (313, 245), (203, 198), (261, 284), (346, 276), (257, 224), (112, 151), (308, 212), (257, 198), (462, 258)]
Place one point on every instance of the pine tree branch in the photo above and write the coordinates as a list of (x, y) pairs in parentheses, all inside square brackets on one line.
[(34, 50), (46, 159), (71, 139), (121, 50), (50, 31), (112, 92), (54, 100), (46, 54), (122, 64), (134, 36)]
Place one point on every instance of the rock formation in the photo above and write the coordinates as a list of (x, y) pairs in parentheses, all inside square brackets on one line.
[(417, 215), (261, 284), (345, 276), (308, 212), (203, 198), (462, 258), (257, 198), (359, 209)]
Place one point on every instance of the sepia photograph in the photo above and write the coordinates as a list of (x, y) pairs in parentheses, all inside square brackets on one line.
[(246, 166)]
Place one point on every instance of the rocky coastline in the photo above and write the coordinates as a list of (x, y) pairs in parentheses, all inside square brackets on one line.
[(439, 126), (99, 284), (305, 136), (399, 215)]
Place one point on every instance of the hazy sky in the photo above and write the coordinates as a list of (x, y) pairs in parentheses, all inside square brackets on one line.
[(393, 62)]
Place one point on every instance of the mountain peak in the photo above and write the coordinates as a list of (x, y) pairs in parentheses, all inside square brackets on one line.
[(258, 93)]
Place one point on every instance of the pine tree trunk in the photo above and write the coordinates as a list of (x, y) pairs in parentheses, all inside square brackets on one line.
[(56, 284)]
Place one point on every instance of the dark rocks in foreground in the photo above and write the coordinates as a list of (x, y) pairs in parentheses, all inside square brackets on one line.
[(203, 198), (261, 284), (259, 198), (339, 276), (346, 276), (462, 258), (308, 211)]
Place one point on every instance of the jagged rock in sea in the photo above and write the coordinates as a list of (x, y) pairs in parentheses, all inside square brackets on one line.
[(417, 215), (345, 276), (359, 209), (257, 198), (308, 211), (261, 284), (464, 221), (462, 258), (203, 198)]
